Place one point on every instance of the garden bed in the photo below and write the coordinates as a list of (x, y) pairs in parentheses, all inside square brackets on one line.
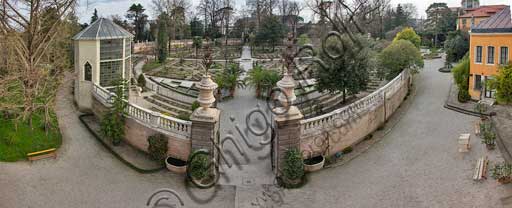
[(134, 158), (15, 144)]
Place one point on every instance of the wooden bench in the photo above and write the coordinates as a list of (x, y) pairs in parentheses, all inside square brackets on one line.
[(42, 154), (481, 169)]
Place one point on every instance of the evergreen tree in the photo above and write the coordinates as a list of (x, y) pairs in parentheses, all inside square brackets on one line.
[(271, 31), (162, 37), (136, 14), (196, 28), (347, 73)]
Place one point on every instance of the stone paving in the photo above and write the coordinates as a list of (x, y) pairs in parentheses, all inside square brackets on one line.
[(415, 165)]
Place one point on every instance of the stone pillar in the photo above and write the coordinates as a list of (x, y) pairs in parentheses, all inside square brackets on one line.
[(288, 116), (205, 120)]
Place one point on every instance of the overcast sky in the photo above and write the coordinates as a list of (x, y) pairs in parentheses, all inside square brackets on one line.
[(107, 8)]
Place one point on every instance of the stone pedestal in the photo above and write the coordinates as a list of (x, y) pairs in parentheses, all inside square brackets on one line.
[(205, 125), (288, 135)]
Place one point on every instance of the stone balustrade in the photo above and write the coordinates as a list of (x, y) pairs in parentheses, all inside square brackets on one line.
[(172, 126), (348, 125)]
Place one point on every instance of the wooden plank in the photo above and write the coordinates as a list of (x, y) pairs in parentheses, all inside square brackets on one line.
[(476, 174), (41, 152), (485, 164)]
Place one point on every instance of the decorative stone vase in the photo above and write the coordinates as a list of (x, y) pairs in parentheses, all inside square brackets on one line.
[(314, 164), (490, 146), (176, 165)]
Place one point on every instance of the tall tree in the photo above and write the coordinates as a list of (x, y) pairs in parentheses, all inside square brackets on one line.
[(196, 28), (94, 16), (440, 21), (456, 45), (162, 37), (32, 28), (139, 20), (270, 32), (348, 73)]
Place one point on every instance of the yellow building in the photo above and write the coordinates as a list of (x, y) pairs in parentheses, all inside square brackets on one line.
[(474, 16), (490, 42)]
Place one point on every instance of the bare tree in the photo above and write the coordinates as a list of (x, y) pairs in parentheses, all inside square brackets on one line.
[(32, 27), (348, 16)]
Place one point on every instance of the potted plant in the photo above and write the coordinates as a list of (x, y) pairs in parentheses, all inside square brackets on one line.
[(293, 169), (200, 171), (502, 173), (489, 139), (314, 163), (176, 165)]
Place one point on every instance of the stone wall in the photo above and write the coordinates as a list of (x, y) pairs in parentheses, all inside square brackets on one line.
[(353, 129), (137, 133)]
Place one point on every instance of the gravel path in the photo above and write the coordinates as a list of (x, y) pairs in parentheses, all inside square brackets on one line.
[(86, 175), (415, 165)]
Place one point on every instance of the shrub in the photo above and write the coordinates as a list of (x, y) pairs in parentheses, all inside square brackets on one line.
[(195, 105), (400, 55), (347, 150), (461, 77), (293, 164), (463, 96), (112, 125), (158, 147), (410, 35), (456, 46), (141, 80), (184, 116), (489, 138), (199, 166), (503, 85), (501, 171)]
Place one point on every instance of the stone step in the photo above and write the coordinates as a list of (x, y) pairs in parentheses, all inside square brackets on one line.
[(166, 107), (172, 101)]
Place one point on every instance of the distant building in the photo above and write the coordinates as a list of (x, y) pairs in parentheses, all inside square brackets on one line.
[(102, 56), (490, 43), (473, 16), (470, 4)]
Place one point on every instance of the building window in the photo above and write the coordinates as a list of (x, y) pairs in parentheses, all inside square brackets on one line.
[(464, 22), (490, 54), (478, 82), (128, 47), (503, 55), (110, 71), (111, 49), (87, 72), (478, 54)]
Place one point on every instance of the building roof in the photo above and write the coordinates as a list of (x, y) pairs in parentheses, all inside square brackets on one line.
[(102, 29), (498, 23), (483, 11)]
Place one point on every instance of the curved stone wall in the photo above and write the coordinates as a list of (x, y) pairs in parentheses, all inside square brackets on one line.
[(137, 133), (349, 125)]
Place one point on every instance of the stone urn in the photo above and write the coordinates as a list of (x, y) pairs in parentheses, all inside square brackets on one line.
[(314, 164), (176, 165)]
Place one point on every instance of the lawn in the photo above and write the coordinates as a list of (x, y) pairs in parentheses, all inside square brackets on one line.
[(150, 65), (15, 144)]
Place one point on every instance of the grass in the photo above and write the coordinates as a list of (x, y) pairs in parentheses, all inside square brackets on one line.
[(151, 65), (15, 144)]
